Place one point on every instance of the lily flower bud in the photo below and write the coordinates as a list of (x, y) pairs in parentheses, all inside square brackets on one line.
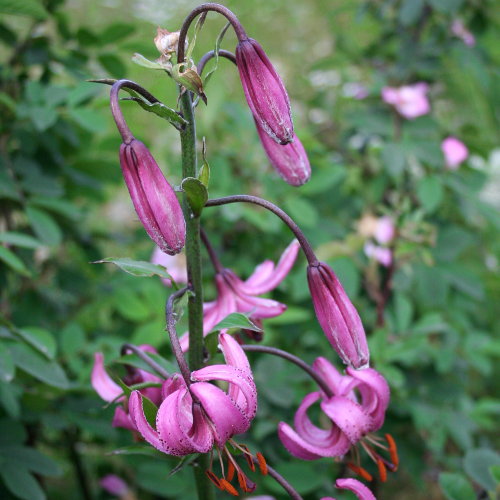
[(338, 316), (264, 91), (154, 198), (289, 160)]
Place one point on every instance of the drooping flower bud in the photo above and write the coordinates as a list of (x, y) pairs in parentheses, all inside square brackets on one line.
[(264, 91), (166, 41), (154, 199), (289, 160), (338, 316)]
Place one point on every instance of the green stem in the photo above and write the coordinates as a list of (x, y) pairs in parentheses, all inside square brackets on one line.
[(193, 257)]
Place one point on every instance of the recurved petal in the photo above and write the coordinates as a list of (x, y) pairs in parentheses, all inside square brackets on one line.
[(241, 382), (348, 416), (375, 394), (270, 277), (122, 419), (357, 487), (136, 413), (182, 426), (102, 383), (234, 354), (228, 419), (340, 385)]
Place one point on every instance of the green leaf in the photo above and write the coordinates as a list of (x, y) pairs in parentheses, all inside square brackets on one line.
[(31, 459), (139, 449), (72, 339), (9, 399), (44, 226), (7, 367), (162, 111), (430, 193), (31, 8), (113, 65), (20, 482), (410, 11), (116, 32), (139, 268), (446, 6), (477, 464), (196, 193), (13, 261), (135, 361), (19, 240), (42, 340), (197, 28), (145, 63), (495, 472), (236, 320), (153, 477), (43, 117), (302, 211), (33, 363), (455, 486), (131, 305), (291, 316), (88, 119), (58, 206), (218, 43), (394, 159)]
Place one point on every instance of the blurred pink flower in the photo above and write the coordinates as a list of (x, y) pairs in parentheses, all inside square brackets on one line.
[(384, 230), (114, 485), (455, 152), (361, 491), (459, 30), (383, 255), (192, 418), (409, 101), (235, 295), (337, 316), (175, 265), (110, 391)]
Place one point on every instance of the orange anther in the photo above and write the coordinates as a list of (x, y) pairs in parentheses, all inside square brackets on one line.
[(226, 485), (360, 471), (262, 463), (245, 484), (382, 471), (393, 450), (230, 470), (214, 479)]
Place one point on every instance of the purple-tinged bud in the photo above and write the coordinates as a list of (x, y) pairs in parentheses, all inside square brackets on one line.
[(264, 91), (337, 316), (154, 199), (289, 160)]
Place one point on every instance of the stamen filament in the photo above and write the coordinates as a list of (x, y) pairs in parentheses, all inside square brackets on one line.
[(215, 480)]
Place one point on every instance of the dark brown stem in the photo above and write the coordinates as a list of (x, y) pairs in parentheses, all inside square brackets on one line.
[(385, 295), (142, 355), (280, 480), (211, 252), (294, 359), (209, 55), (71, 438), (206, 7), (244, 198), (174, 339), (116, 110)]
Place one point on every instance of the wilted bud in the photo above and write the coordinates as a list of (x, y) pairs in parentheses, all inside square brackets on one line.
[(154, 199), (337, 316), (166, 41), (289, 160), (264, 91)]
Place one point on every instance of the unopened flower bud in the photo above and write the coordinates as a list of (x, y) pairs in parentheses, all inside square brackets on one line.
[(166, 41), (264, 91), (154, 199), (289, 160), (338, 316)]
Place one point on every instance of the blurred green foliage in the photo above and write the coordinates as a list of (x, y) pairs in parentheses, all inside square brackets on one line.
[(63, 206)]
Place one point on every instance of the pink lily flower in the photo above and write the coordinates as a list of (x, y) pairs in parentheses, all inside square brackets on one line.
[(192, 418), (175, 265), (235, 295), (459, 30), (337, 316), (110, 391), (353, 418), (114, 485), (455, 152), (290, 161), (264, 91), (361, 491), (409, 101)]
